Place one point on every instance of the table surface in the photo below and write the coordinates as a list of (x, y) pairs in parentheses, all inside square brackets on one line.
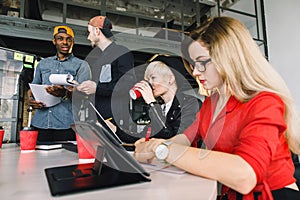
[(22, 176)]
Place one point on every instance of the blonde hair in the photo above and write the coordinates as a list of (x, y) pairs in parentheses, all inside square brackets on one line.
[(158, 67), (244, 69)]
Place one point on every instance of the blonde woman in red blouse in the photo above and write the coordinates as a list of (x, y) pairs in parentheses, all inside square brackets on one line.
[(248, 123)]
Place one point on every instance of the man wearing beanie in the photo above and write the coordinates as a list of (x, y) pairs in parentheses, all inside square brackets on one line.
[(112, 70), (54, 123)]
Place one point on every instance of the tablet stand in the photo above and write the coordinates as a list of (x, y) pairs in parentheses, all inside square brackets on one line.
[(82, 177)]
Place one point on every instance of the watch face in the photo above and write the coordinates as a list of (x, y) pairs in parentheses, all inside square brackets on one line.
[(161, 152)]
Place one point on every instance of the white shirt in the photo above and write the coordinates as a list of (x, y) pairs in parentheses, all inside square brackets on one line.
[(166, 107)]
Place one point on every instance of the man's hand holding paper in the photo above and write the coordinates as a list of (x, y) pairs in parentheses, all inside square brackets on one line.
[(63, 85), (41, 97), (56, 90), (62, 79), (36, 104)]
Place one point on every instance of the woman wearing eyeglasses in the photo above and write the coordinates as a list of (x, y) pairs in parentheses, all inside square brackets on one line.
[(248, 123)]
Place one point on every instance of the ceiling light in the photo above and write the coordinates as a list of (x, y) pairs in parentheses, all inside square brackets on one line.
[(121, 9)]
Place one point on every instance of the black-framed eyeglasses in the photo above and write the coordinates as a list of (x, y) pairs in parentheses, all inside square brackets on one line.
[(200, 65)]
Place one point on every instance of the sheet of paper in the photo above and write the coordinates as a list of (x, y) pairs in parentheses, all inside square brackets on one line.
[(61, 79), (40, 94), (48, 146), (157, 165)]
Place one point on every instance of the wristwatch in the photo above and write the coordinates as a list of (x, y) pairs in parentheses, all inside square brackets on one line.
[(162, 150)]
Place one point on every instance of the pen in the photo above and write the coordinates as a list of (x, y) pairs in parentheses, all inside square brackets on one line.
[(109, 119), (148, 134)]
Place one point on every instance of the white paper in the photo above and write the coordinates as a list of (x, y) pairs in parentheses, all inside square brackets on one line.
[(40, 94), (48, 146), (157, 165), (61, 79)]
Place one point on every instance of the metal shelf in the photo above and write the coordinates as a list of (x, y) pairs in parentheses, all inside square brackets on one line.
[(42, 30), (253, 16), (8, 119), (12, 65)]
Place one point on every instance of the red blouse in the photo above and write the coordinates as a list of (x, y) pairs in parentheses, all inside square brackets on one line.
[(253, 130)]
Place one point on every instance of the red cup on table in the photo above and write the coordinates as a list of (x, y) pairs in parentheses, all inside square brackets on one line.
[(1, 136), (28, 140), (84, 150)]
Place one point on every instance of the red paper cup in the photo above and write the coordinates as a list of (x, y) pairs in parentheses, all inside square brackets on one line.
[(1, 137), (134, 93), (84, 150), (28, 140)]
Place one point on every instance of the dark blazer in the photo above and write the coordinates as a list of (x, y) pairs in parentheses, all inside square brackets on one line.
[(181, 115)]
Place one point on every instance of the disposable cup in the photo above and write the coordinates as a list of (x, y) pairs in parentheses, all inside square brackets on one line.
[(134, 93), (28, 140), (84, 150), (1, 137)]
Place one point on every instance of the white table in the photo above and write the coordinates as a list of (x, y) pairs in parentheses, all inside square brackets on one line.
[(22, 177)]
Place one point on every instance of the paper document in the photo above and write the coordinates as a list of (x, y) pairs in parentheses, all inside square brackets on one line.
[(157, 165), (62, 79), (40, 94), (48, 146), (40, 145)]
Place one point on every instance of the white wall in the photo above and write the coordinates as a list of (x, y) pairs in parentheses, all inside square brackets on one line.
[(283, 32)]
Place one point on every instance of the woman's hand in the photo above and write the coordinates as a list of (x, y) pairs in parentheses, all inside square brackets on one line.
[(145, 150), (145, 89), (111, 125)]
